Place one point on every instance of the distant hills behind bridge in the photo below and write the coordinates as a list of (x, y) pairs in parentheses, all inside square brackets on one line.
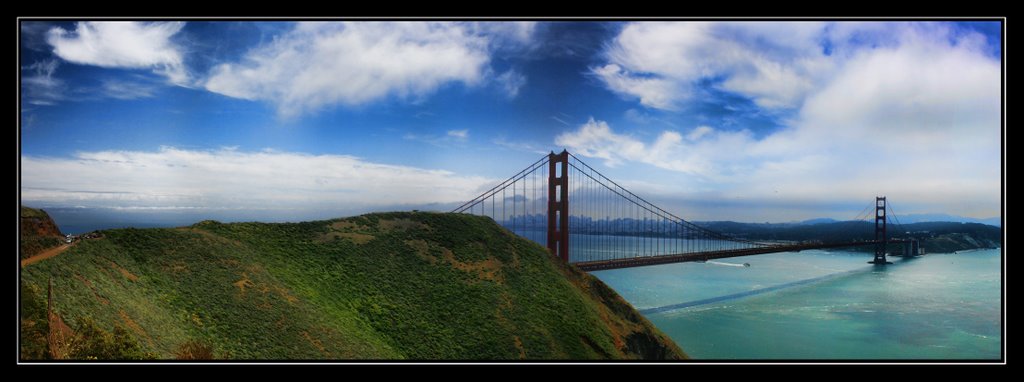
[(923, 218), (934, 236)]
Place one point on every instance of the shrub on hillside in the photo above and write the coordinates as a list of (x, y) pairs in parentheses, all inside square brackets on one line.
[(34, 326), (193, 349), (94, 343)]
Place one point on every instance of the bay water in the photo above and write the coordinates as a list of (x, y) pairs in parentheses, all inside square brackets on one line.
[(824, 305)]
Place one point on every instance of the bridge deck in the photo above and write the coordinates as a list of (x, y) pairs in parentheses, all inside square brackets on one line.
[(711, 255)]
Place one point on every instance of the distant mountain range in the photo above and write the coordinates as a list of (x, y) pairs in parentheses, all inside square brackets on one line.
[(918, 218), (934, 236), (817, 221)]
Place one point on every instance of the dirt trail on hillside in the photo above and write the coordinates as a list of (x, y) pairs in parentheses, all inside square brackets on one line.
[(45, 255)]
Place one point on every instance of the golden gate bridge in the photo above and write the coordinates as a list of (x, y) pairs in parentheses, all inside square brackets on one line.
[(589, 220)]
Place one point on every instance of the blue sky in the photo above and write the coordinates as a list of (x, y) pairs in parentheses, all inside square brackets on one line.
[(755, 121)]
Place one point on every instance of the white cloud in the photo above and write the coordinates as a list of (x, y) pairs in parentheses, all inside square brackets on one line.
[(451, 138), (637, 116), (559, 120), (39, 86), (774, 64), (696, 153), (521, 145), (228, 178), (917, 120), (510, 82), (317, 64), (793, 168), (126, 90), (915, 116), (653, 92), (123, 44), (510, 34), (699, 132), (33, 35), (461, 135)]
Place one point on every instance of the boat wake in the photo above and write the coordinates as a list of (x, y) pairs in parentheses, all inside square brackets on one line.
[(728, 264), (667, 308)]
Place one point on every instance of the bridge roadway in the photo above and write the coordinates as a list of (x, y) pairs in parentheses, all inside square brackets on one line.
[(711, 255)]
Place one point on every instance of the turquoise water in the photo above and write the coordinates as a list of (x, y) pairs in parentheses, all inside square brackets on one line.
[(824, 305)]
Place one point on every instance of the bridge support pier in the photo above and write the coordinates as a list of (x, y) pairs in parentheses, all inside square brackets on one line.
[(911, 248), (558, 205), (881, 240)]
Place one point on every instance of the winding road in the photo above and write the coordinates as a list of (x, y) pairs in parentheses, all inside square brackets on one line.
[(44, 255)]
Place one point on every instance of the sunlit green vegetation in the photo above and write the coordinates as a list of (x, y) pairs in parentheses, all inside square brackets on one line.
[(379, 286)]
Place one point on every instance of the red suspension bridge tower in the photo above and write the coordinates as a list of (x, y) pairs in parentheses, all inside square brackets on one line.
[(558, 204), (880, 235)]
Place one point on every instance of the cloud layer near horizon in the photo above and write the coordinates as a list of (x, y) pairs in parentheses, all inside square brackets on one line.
[(178, 178)]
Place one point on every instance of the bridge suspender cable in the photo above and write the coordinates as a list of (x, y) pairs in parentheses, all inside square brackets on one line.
[(501, 186), (893, 214), (654, 209)]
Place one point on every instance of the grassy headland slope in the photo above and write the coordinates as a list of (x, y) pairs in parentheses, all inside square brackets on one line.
[(38, 232), (379, 286)]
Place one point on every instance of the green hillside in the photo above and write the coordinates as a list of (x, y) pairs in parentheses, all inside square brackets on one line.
[(380, 286)]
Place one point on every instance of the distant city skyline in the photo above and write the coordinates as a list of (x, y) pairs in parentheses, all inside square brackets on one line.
[(743, 121)]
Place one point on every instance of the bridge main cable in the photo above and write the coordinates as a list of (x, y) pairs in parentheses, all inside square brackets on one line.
[(505, 184)]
